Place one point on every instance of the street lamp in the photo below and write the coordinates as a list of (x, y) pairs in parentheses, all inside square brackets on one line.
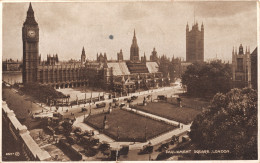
[(117, 132)]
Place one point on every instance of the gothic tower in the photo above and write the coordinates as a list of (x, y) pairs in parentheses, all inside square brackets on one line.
[(195, 43), (120, 56), (134, 50), (241, 67), (30, 35), (83, 56)]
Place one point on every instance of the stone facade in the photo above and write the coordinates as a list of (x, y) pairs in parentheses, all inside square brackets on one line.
[(120, 56), (30, 35), (11, 65), (134, 50), (195, 43), (122, 76), (241, 67)]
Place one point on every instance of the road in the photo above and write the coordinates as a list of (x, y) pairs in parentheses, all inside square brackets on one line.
[(76, 109)]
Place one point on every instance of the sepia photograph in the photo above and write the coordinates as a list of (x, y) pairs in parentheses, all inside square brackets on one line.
[(129, 80)]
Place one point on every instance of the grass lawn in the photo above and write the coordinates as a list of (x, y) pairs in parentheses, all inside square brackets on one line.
[(184, 115), (131, 126)]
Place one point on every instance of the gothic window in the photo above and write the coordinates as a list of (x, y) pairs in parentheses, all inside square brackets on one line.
[(239, 64)]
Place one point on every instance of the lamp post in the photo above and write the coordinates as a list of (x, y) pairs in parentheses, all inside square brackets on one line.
[(117, 132)]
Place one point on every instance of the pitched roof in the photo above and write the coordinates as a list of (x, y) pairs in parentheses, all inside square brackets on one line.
[(152, 67), (119, 68)]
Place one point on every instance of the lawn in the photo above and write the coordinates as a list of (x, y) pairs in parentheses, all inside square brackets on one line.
[(170, 111), (128, 126)]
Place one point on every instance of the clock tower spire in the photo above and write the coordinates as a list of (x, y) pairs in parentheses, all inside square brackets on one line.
[(30, 37)]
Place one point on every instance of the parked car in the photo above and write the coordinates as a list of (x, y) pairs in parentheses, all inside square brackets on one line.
[(146, 149), (84, 109), (161, 97), (124, 150), (163, 147), (129, 100), (122, 105), (115, 100), (101, 105), (126, 99), (134, 97)]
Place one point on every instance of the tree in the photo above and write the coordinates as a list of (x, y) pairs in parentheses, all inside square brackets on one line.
[(207, 79), (230, 123)]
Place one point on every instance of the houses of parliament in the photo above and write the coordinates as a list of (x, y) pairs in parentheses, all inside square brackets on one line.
[(120, 75)]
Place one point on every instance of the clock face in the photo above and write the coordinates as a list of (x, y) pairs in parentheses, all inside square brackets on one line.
[(31, 33)]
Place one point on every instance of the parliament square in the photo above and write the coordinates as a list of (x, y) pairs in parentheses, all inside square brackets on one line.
[(135, 101)]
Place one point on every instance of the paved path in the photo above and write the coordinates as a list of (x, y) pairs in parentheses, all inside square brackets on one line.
[(157, 140), (79, 123), (152, 116)]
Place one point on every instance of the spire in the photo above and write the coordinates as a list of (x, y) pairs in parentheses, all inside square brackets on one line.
[(30, 7), (83, 51), (105, 56), (30, 16), (134, 41), (194, 14)]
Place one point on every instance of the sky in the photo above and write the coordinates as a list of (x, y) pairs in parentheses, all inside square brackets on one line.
[(66, 27)]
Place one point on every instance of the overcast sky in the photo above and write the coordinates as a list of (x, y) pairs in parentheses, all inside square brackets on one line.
[(66, 27)]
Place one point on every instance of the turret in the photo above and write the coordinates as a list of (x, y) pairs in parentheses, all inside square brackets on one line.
[(241, 50), (83, 56)]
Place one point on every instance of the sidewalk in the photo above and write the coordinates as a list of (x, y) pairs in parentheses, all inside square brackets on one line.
[(157, 140), (152, 116)]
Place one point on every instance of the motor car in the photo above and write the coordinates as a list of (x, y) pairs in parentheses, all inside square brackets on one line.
[(122, 105), (146, 149), (101, 105), (84, 109), (115, 100), (134, 97), (126, 99)]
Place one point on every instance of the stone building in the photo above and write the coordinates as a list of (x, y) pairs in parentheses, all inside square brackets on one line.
[(120, 56), (30, 35), (154, 57), (254, 74), (134, 50), (120, 76), (241, 67), (83, 56), (52, 73), (195, 43), (11, 65)]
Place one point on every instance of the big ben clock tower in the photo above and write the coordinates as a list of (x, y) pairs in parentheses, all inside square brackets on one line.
[(30, 34)]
